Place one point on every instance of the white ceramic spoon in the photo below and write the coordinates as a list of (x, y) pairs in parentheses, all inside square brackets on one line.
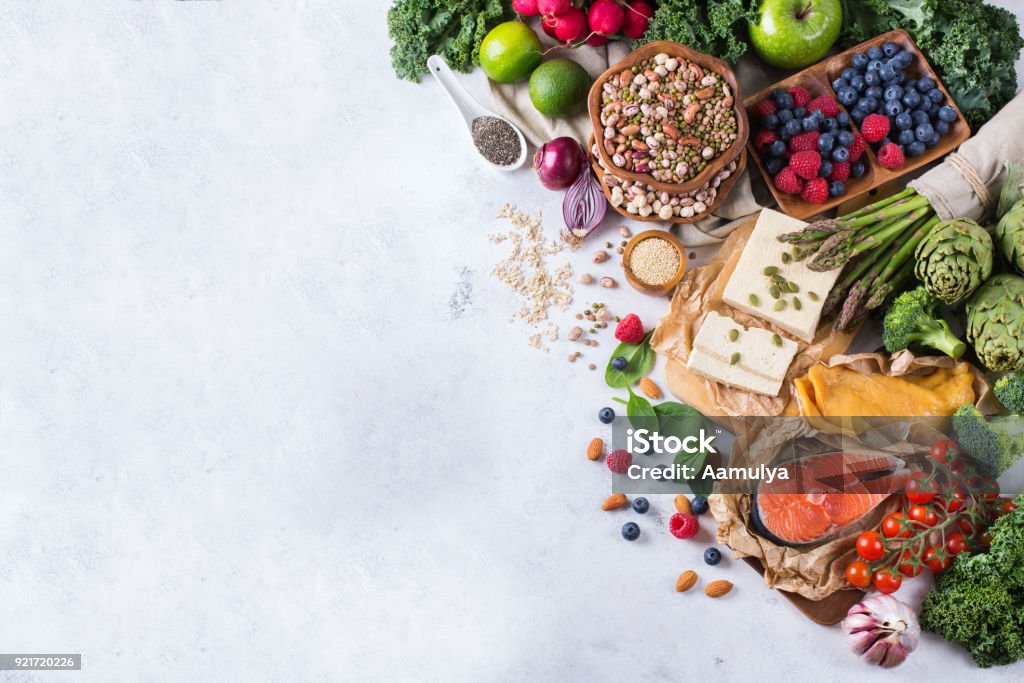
[(471, 109)]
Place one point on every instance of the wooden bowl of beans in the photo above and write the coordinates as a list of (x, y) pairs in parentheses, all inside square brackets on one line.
[(654, 262)]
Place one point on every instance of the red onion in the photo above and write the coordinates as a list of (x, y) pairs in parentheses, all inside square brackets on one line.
[(558, 163), (584, 205)]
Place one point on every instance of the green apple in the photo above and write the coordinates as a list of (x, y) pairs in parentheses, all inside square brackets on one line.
[(795, 33)]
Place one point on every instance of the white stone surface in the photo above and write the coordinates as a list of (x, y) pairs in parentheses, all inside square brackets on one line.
[(262, 416)]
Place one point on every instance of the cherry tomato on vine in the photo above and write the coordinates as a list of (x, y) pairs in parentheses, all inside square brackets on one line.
[(859, 574), (1008, 506), (896, 526), (965, 526), (887, 581), (908, 568), (870, 546), (985, 538), (923, 515), (958, 466), (990, 490), (951, 502), (944, 450), (920, 489), (936, 561), (955, 543)]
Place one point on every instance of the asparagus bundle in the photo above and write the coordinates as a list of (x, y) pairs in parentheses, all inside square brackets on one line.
[(874, 246)]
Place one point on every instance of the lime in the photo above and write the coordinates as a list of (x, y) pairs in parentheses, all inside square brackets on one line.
[(559, 88), (510, 52)]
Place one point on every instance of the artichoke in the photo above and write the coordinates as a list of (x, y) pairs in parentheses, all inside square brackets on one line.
[(1010, 236), (995, 323), (954, 259)]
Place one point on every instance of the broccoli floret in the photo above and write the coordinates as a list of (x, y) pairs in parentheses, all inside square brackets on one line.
[(1009, 389), (912, 320), (993, 444)]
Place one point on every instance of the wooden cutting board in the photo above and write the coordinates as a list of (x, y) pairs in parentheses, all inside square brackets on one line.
[(827, 612)]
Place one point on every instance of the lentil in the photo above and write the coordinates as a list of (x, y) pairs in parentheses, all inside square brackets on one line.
[(654, 261), (496, 140)]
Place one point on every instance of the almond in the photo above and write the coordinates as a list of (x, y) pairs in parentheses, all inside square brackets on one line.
[(717, 589), (615, 502), (686, 581), (683, 504), (649, 388), (595, 448)]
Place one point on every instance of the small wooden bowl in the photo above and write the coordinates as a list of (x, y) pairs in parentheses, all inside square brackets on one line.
[(708, 62), (665, 287)]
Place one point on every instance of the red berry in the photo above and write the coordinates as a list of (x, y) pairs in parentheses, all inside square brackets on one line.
[(619, 461), (683, 526), (858, 147), (815, 191), (788, 182), (763, 138), (800, 96), (891, 156), (874, 127), (805, 164), (763, 108), (840, 170), (630, 329), (826, 104), (804, 142)]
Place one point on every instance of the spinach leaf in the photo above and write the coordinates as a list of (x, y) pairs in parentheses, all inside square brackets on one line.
[(678, 419), (642, 415), (699, 486), (639, 360)]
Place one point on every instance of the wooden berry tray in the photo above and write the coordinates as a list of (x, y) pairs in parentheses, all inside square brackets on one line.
[(817, 80)]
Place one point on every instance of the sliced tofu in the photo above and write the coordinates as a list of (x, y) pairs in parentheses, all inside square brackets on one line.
[(763, 249), (762, 365)]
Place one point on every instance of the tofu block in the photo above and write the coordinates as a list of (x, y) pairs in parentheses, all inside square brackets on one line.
[(762, 365), (763, 249)]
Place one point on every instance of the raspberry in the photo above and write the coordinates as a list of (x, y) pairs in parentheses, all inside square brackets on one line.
[(840, 171), (826, 104), (619, 461), (763, 138), (874, 127), (858, 146), (891, 156), (787, 181), (803, 142), (763, 108), (815, 191), (800, 96), (630, 329), (805, 164), (683, 526)]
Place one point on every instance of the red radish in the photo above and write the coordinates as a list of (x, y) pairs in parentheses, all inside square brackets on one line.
[(606, 17), (596, 40), (553, 8), (548, 24), (527, 8), (571, 26), (638, 15)]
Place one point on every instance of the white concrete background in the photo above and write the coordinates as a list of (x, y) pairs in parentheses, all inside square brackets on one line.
[(262, 416)]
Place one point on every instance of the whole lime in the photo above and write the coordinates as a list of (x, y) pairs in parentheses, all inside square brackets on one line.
[(510, 52), (559, 88)]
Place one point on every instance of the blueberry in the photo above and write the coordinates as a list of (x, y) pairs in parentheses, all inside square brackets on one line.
[(857, 169), (784, 133), (774, 165), (840, 154), (606, 415), (859, 60), (941, 127), (771, 122), (933, 140), (905, 137), (818, 114), (825, 170), (905, 58), (810, 123), (911, 84), (887, 73), (699, 505), (920, 117), (848, 73), (947, 114), (830, 124), (845, 138), (936, 96), (784, 100), (778, 91), (844, 119), (785, 116), (800, 112), (857, 115), (911, 98), (872, 78), (875, 64), (926, 106), (925, 84), (924, 131), (712, 556), (899, 79), (630, 531), (868, 104), (825, 142), (893, 108), (840, 83), (641, 506), (893, 92), (874, 91), (890, 49), (915, 149), (777, 148), (883, 142), (619, 363), (875, 52), (847, 96), (858, 83), (793, 127), (904, 121), (836, 188)]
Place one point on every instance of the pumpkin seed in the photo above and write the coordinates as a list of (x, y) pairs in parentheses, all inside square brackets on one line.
[(777, 340), (770, 270), (754, 301), (774, 291), (734, 358), (780, 304), (734, 335), (813, 296), (796, 303), (786, 257)]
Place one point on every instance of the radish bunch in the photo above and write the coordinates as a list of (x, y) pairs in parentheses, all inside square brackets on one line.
[(590, 21)]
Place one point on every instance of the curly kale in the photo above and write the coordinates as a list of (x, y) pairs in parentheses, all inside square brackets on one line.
[(994, 444), (717, 27), (1009, 389), (979, 602), (453, 29)]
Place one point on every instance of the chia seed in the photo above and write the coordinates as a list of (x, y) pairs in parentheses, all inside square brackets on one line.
[(496, 140)]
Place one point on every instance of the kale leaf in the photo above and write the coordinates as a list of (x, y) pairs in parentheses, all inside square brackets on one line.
[(717, 27)]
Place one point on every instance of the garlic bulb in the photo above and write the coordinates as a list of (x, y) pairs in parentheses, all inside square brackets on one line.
[(882, 630)]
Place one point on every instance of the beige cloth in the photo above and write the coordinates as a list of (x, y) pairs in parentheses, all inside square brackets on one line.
[(967, 183)]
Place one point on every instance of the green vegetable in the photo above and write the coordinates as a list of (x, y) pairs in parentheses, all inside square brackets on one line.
[(717, 27), (954, 259), (1009, 389), (978, 603), (1009, 236), (1013, 188), (453, 29), (639, 360), (995, 323), (994, 444), (913, 320)]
